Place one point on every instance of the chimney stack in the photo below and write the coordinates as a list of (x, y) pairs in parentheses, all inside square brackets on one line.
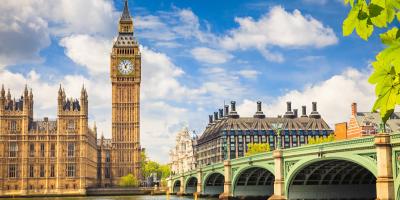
[(226, 112), (259, 112), (215, 116), (233, 113), (210, 119), (221, 113), (303, 111), (288, 106), (314, 113), (295, 113), (354, 109), (289, 113)]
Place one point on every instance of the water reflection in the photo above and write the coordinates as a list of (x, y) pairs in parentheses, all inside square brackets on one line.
[(161, 197)]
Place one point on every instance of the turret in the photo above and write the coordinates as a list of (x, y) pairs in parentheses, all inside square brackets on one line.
[(84, 101), (2, 99)]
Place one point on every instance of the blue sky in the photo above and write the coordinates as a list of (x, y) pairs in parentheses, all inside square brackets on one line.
[(195, 56)]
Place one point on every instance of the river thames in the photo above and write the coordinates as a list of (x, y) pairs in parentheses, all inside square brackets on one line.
[(146, 197)]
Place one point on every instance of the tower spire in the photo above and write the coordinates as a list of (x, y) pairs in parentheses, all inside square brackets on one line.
[(126, 16)]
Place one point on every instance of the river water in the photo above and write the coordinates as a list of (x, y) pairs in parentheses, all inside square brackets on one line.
[(158, 197)]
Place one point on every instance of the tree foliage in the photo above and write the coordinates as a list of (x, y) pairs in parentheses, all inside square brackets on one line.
[(128, 181), (255, 148), (364, 17), (319, 140), (149, 167)]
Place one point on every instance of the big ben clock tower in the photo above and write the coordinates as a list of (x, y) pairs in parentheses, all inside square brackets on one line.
[(125, 78)]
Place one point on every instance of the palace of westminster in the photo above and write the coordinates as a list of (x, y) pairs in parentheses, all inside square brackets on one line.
[(64, 156)]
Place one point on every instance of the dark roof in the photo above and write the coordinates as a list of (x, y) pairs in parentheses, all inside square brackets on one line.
[(214, 129), (374, 119), (126, 16)]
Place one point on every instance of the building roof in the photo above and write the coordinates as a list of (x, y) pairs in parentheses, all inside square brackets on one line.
[(289, 122), (374, 119)]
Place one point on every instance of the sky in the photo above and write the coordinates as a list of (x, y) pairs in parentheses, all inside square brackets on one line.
[(196, 56)]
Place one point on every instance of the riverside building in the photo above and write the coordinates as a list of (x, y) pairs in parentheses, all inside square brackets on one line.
[(182, 156), (227, 134)]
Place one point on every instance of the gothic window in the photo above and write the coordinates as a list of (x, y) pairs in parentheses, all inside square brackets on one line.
[(302, 141), (42, 149), (107, 172), (71, 149), (52, 170), (263, 139), (70, 169), (31, 150), (52, 150), (12, 170), (71, 125), (41, 170), (31, 171), (13, 150), (13, 126), (294, 141)]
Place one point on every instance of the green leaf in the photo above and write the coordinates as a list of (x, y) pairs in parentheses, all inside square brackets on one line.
[(363, 29), (349, 1), (374, 10), (349, 24), (390, 36), (377, 13), (362, 15)]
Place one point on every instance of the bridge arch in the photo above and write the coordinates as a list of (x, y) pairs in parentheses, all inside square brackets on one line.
[(191, 185), (213, 184), (332, 177), (253, 181), (176, 186)]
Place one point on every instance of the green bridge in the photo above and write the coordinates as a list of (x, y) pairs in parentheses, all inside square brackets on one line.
[(363, 168)]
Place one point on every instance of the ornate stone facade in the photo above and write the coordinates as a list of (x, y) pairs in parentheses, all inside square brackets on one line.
[(42, 157), (182, 156), (125, 74)]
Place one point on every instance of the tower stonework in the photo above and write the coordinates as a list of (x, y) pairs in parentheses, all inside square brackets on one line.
[(125, 74)]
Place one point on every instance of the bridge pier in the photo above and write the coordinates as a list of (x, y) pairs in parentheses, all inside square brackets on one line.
[(279, 183), (384, 181), (227, 195), (199, 182), (181, 187)]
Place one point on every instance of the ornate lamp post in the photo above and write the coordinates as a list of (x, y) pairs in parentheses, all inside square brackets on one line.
[(277, 127)]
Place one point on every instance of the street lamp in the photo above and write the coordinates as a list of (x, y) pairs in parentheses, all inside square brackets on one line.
[(277, 127)]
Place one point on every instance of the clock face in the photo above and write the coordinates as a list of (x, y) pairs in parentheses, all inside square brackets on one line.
[(125, 67)]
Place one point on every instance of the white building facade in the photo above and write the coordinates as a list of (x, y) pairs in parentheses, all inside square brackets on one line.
[(182, 156)]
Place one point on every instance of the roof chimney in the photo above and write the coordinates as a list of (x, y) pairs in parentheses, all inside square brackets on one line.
[(295, 113), (221, 113), (259, 113), (314, 113), (233, 113), (210, 119), (289, 113), (226, 110), (215, 116), (354, 109), (303, 111)]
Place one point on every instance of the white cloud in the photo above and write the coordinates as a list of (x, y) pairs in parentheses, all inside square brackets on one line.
[(279, 28), (22, 33), (333, 96), (90, 52), (26, 26), (211, 56), (249, 73)]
